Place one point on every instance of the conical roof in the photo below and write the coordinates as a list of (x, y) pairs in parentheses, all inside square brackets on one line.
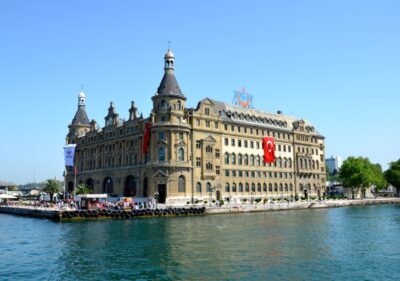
[(80, 117), (169, 85)]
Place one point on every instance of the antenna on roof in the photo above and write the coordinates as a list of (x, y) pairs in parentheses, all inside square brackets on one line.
[(169, 44)]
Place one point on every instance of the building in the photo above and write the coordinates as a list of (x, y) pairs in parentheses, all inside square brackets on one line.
[(210, 152), (333, 164)]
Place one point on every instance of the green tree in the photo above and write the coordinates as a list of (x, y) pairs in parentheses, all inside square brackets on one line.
[(359, 173), (51, 186), (83, 189), (392, 175)]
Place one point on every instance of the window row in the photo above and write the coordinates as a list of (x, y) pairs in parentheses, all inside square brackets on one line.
[(254, 174), (253, 188), (255, 160)]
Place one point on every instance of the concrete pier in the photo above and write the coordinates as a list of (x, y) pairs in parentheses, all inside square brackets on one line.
[(70, 214)]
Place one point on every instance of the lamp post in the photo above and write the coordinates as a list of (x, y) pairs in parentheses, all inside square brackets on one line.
[(156, 197), (210, 190)]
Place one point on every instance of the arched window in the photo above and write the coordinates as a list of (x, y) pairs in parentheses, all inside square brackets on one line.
[(313, 165), (317, 163), (226, 158), (270, 187), (181, 184), (233, 158), (265, 187), (227, 187), (163, 105), (301, 163), (259, 187), (285, 162), (198, 187), (179, 105), (240, 187), (233, 187), (291, 187), (181, 154), (286, 187), (258, 160), (305, 164), (246, 187), (208, 187), (276, 187), (240, 160), (280, 187), (161, 154), (252, 160), (246, 159)]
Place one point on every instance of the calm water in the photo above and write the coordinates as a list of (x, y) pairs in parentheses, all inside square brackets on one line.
[(357, 243)]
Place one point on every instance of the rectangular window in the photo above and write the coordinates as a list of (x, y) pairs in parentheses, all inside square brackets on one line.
[(217, 170), (226, 141), (245, 143), (180, 136), (240, 174), (232, 128), (198, 122), (226, 173), (198, 161), (226, 127), (216, 125), (238, 129), (233, 142), (239, 143), (258, 145), (161, 136), (208, 125), (198, 144), (253, 174), (207, 111), (251, 144), (209, 166), (233, 173), (217, 153)]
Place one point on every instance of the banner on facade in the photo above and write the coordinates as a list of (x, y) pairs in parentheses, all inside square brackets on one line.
[(146, 138), (269, 149), (69, 152)]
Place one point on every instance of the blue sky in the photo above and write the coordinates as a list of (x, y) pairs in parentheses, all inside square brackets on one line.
[(334, 63)]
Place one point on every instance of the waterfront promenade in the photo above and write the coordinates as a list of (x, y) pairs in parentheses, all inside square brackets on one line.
[(56, 213)]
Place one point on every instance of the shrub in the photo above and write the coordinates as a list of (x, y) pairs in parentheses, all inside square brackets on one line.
[(244, 200), (221, 202), (257, 200), (296, 197)]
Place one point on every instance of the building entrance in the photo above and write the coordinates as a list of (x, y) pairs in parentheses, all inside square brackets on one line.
[(162, 193)]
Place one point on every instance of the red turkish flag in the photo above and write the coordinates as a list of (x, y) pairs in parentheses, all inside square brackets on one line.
[(269, 149), (146, 138)]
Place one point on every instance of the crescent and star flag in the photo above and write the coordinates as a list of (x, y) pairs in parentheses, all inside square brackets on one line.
[(146, 138), (269, 149), (69, 152)]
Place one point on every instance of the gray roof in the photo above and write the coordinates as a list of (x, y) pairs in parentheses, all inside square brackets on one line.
[(80, 117), (250, 116), (169, 85)]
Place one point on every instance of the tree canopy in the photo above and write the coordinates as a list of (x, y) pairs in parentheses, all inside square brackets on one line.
[(361, 173), (83, 189), (51, 186), (392, 175)]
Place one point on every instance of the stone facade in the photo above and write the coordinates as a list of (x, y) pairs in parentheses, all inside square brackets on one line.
[(213, 151)]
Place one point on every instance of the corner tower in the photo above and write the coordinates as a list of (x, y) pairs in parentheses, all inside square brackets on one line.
[(80, 124), (170, 142)]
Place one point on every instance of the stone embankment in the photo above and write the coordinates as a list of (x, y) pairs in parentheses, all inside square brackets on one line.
[(284, 206), (68, 214)]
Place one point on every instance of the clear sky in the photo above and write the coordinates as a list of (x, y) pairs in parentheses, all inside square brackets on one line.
[(334, 63)]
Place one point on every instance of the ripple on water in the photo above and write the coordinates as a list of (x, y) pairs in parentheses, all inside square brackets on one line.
[(356, 243)]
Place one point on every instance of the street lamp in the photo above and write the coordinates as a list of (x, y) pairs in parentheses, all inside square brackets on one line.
[(210, 190), (156, 197)]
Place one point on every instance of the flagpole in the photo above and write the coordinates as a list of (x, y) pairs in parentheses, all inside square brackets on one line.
[(65, 180), (74, 182)]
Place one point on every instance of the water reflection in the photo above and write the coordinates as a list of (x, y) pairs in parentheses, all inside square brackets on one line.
[(347, 243)]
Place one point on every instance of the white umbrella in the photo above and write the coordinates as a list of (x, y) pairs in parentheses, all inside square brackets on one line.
[(7, 196)]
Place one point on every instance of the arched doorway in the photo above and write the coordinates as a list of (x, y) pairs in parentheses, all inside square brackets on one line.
[(70, 187), (145, 188), (130, 186), (108, 185), (90, 184), (218, 194)]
